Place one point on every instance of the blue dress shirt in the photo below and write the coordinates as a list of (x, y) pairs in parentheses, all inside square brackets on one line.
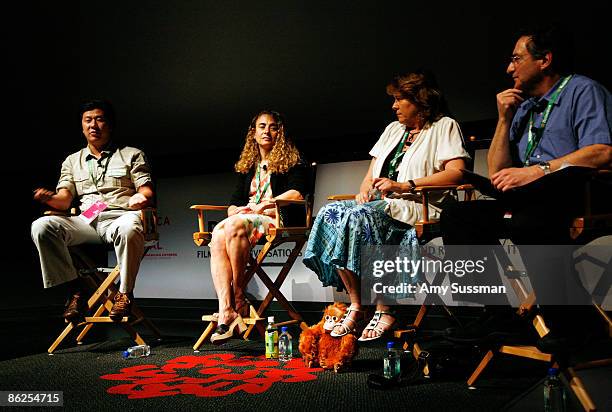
[(581, 116)]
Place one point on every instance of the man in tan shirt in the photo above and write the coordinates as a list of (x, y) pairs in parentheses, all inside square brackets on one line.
[(113, 179)]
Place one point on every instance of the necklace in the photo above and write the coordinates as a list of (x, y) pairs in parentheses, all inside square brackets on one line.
[(412, 135)]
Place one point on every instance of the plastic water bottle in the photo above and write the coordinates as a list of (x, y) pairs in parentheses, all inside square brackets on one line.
[(139, 351), (271, 339), (374, 194), (391, 363), (285, 346), (554, 394)]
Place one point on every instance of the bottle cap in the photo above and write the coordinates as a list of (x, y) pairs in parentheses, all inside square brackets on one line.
[(126, 354), (553, 371), (270, 319), (284, 329), (390, 345)]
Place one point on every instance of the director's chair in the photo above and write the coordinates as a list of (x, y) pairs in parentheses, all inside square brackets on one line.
[(102, 281), (583, 230), (276, 236)]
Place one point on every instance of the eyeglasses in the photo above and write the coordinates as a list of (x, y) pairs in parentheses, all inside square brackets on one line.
[(516, 59)]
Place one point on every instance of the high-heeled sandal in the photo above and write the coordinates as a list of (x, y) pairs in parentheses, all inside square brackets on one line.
[(374, 325), (343, 323), (224, 332), (243, 310)]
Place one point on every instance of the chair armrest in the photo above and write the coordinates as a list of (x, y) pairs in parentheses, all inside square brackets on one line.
[(443, 187), (434, 188), (202, 237), (278, 203), (341, 197), (54, 212), (466, 187), (148, 215), (589, 224), (283, 202), (208, 207), (424, 192), (427, 189), (418, 189)]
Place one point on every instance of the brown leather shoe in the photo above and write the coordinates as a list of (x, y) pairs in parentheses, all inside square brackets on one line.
[(75, 308), (121, 307)]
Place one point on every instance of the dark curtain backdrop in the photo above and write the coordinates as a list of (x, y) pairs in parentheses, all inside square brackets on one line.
[(187, 76)]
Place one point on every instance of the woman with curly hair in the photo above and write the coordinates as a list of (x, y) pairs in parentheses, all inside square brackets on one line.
[(423, 147), (269, 168)]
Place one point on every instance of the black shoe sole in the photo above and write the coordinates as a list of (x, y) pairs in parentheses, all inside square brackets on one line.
[(74, 318)]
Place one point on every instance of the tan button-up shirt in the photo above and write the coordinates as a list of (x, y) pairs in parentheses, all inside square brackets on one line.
[(113, 178)]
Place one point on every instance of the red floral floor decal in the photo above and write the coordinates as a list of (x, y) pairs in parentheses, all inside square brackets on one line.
[(219, 374)]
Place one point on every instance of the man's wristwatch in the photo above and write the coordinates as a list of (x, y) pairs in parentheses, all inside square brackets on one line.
[(545, 166)]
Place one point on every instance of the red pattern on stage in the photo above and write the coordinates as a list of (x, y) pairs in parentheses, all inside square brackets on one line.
[(219, 374)]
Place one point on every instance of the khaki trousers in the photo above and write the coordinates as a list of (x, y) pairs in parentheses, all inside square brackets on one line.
[(52, 236)]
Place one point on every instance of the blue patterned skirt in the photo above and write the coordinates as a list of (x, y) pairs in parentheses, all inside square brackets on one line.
[(340, 231)]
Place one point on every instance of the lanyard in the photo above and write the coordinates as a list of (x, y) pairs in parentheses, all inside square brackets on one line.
[(534, 134), (260, 192), (399, 153), (394, 162), (91, 164)]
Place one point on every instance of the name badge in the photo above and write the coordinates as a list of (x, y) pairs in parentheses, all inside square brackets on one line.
[(92, 213)]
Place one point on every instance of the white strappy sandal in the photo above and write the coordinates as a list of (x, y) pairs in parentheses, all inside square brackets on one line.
[(345, 329), (374, 325)]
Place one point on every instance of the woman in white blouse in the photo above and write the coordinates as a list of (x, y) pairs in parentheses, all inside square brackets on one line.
[(423, 147)]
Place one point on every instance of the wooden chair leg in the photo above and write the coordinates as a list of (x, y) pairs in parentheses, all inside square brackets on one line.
[(134, 335), (480, 368), (135, 311), (274, 287), (105, 289), (93, 300), (61, 337), (150, 325), (108, 305), (101, 293), (420, 316), (416, 352), (107, 283), (254, 314), (254, 265), (88, 327), (249, 330), (605, 318), (579, 390), (432, 299), (274, 290), (207, 332)]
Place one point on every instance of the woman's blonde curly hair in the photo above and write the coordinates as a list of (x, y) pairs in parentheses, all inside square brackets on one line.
[(284, 154)]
